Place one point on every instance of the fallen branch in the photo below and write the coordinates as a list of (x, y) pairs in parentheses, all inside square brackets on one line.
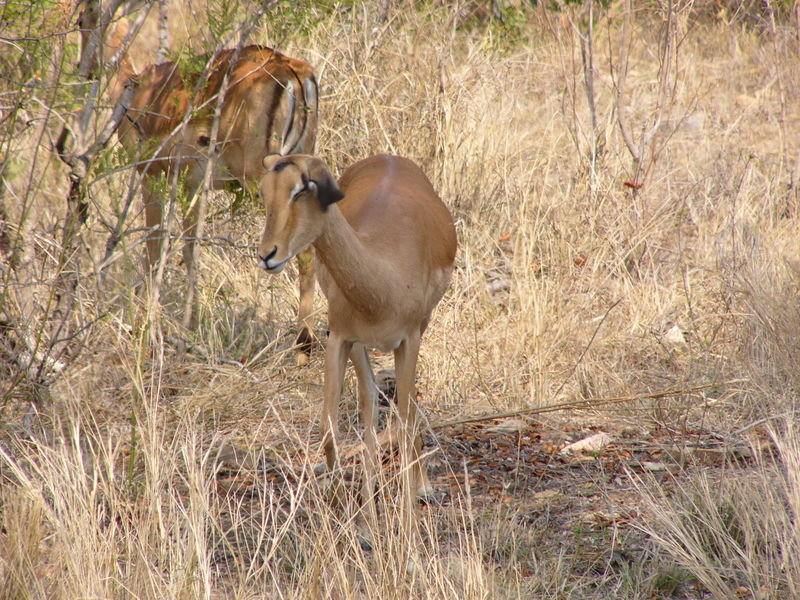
[(582, 404), (754, 424)]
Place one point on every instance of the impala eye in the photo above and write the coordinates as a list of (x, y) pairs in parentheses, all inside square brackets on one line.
[(296, 191)]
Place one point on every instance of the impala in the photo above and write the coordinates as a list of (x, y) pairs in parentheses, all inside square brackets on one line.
[(385, 245), (269, 104)]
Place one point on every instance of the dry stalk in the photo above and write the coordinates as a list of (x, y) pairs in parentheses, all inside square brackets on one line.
[(586, 40), (587, 56)]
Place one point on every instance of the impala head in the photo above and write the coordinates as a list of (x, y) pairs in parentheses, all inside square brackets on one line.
[(297, 191)]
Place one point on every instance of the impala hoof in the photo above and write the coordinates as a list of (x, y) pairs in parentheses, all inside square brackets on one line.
[(365, 540), (430, 498), (301, 359), (304, 344), (427, 494)]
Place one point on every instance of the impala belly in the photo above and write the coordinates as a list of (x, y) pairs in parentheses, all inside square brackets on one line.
[(380, 337)]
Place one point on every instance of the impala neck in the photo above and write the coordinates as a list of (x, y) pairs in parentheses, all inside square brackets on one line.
[(354, 268)]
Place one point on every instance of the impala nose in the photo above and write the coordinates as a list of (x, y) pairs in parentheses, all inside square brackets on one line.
[(264, 260)]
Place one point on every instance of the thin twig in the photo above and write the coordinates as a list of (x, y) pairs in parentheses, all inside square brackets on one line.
[(588, 345), (587, 57), (128, 39), (163, 31)]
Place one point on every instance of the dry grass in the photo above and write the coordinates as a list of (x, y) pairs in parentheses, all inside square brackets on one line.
[(152, 474), (734, 531)]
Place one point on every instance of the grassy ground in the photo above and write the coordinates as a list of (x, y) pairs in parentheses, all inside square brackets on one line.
[(664, 313)]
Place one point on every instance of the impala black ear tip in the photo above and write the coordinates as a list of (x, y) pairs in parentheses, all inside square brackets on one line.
[(328, 193)]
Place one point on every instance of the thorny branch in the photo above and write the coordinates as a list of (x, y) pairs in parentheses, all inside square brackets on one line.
[(39, 359)]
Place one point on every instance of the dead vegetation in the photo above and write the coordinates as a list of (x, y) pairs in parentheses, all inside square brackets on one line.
[(668, 282)]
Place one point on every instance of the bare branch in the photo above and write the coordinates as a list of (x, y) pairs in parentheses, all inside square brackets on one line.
[(622, 117), (163, 31), (96, 29), (87, 54), (587, 56)]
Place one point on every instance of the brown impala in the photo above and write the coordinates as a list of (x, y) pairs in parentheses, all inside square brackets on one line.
[(269, 105), (385, 243)]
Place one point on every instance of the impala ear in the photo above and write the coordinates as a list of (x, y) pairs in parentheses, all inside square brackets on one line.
[(270, 160), (320, 177)]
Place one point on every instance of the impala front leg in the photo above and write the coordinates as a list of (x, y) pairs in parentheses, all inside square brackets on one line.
[(409, 435), (335, 362), (305, 340), (367, 402), (192, 230), (190, 220), (153, 217)]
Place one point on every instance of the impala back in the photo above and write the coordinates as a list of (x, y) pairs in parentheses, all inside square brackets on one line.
[(270, 105)]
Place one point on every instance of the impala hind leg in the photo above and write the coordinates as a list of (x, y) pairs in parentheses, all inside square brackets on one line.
[(153, 220), (305, 339), (192, 229), (414, 475), (367, 403)]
